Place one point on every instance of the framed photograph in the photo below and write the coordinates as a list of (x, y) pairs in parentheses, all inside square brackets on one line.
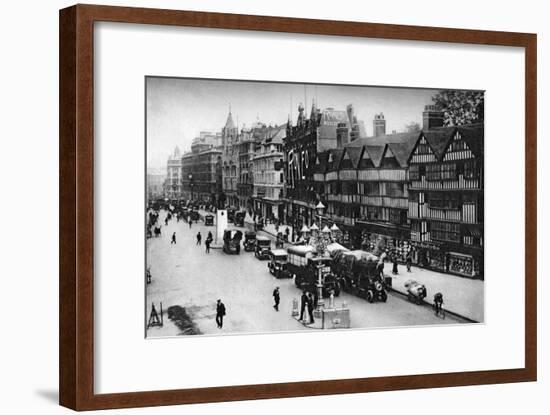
[(260, 207)]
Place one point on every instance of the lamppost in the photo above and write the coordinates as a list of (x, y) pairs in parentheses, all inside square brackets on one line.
[(320, 246), (191, 184)]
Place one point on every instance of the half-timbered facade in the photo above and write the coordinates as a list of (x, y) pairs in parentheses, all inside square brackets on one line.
[(446, 199)]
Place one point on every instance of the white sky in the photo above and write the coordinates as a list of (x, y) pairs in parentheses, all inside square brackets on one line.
[(178, 109)]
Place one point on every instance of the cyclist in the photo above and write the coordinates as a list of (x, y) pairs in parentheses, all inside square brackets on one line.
[(438, 302)]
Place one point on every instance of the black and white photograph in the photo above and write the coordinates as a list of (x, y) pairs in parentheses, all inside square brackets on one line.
[(283, 207)]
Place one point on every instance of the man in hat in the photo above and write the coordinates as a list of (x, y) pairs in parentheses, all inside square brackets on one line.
[(303, 304), (276, 298), (220, 313)]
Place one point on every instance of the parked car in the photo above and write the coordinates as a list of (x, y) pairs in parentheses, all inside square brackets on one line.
[(239, 218), (262, 247), (232, 241), (308, 270), (249, 242), (277, 263)]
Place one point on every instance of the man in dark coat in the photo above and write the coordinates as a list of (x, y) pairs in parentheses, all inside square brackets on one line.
[(310, 309), (395, 270), (199, 238), (220, 313), (303, 305), (276, 298), (207, 244)]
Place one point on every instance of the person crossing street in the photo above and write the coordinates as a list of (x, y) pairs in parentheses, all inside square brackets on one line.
[(173, 241), (276, 298), (220, 313), (199, 238)]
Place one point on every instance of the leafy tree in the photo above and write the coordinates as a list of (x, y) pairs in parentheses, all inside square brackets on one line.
[(460, 107), (412, 127)]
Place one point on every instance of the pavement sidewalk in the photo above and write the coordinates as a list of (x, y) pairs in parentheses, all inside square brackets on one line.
[(461, 295)]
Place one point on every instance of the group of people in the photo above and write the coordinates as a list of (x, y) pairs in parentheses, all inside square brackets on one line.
[(309, 302), (207, 242)]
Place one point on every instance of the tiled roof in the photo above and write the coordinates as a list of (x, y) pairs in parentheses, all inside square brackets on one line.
[(355, 155), (438, 139), (375, 152), (473, 134), (336, 155), (323, 162)]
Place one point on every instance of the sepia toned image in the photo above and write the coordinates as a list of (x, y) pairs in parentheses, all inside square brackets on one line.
[(282, 207)]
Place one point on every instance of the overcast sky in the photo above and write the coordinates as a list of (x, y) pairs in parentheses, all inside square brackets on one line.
[(178, 109)]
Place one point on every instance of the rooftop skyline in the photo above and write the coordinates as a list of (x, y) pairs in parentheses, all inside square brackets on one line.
[(179, 109)]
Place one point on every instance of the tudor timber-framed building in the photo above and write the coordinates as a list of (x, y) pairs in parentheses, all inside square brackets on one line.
[(446, 199), (417, 194)]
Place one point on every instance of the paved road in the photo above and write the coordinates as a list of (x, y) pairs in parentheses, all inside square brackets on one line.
[(185, 275)]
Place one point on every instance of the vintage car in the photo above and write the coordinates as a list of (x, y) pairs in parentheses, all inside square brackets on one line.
[(277, 263), (232, 241), (358, 274), (416, 292), (231, 214), (239, 218), (309, 270), (262, 247), (209, 220), (249, 241)]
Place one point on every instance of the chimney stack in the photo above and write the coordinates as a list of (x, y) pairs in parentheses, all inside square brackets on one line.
[(432, 117), (342, 134), (379, 125)]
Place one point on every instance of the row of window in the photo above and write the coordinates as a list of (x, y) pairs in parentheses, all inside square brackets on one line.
[(392, 189), (469, 169)]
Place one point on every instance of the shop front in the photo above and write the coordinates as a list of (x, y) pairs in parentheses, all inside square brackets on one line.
[(380, 238)]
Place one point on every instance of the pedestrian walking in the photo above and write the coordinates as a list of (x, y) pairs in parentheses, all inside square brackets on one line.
[(394, 270), (190, 222), (207, 244), (220, 313), (303, 305), (210, 236), (310, 308), (276, 298), (409, 263), (199, 238), (173, 238)]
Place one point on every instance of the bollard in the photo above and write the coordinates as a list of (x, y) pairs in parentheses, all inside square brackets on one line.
[(295, 307), (331, 300)]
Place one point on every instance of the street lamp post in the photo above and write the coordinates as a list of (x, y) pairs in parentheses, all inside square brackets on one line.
[(191, 184), (320, 302)]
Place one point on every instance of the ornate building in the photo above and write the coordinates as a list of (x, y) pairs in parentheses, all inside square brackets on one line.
[(268, 174), (172, 186), (323, 130), (230, 160)]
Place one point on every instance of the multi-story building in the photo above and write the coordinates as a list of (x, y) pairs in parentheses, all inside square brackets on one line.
[(249, 140), (268, 176), (446, 196), (172, 184), (202, 175), (417, 194), (230, 160), (323, 130), (155, 184), (364, 187)]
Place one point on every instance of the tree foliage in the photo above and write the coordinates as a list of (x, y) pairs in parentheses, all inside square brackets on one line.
[(412, 127), (460, 107)]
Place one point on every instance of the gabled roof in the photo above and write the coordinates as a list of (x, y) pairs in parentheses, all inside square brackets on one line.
[(355, 155), (336, 154), (473, 135), (376, 153), (401, 151), (323, 162), (438, 139)]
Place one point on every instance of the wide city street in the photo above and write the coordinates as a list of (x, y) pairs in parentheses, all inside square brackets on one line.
[(188, 281)]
